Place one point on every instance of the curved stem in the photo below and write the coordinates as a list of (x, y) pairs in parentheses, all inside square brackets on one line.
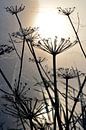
[(77, 36)]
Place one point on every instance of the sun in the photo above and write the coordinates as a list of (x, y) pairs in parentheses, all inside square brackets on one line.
[(51, 24)]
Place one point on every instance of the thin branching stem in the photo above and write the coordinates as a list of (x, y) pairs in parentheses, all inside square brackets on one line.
[(73, 108), (32, 51), (21, 63), (77, 36), (45, 73), (14, 47), (19, 22), (20, 117), (22, 55), (76, 121), (6, 80)]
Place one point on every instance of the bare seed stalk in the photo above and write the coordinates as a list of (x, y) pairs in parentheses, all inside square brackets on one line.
[(21, 63), (56, 97), (22, 55), (66, 101), (6, 80), (80, 91), (77, 36), (14, 47)]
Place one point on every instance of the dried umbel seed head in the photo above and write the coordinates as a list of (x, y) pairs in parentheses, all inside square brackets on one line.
[(66, 11), (68, 73), (55, 46), (15, 9), (31, 34)]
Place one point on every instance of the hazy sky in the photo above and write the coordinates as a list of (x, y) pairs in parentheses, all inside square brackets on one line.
[(36, 8), (46, 10), (32, 11)]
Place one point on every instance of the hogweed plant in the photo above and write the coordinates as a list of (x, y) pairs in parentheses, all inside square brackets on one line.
[(67, 74), (67, 12), (29, 111), (42, 114), (54, 48)]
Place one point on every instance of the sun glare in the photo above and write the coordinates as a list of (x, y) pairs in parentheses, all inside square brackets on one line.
[(51, 24)]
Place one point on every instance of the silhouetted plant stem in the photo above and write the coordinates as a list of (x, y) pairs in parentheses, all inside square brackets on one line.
[(22, 123), (66, 100), (13, 92), (6, 80), (14, 47), (77, 99), (31, 124), (56, 97), (35, 58), (39, 70), (76, 121), (30, 45), (56, 104), (74, 125), (55, 90), (19, 22), (77, 36), (21, 63), (20, 117), (82, 107), (45, 73)]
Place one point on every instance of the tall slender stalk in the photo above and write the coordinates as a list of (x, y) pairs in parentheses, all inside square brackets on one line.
[(31, 123), (21, 63), (80, 91), (55, 90), (77, 36), (35, 58), (14, 47), (6, 80), (74, 125), (66, 101), (82, 107), (20, 117), (19, 22), (22, 55), (56, 97)]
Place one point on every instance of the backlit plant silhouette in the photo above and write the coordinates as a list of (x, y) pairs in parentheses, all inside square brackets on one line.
[(50, 113), (67, 12)]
